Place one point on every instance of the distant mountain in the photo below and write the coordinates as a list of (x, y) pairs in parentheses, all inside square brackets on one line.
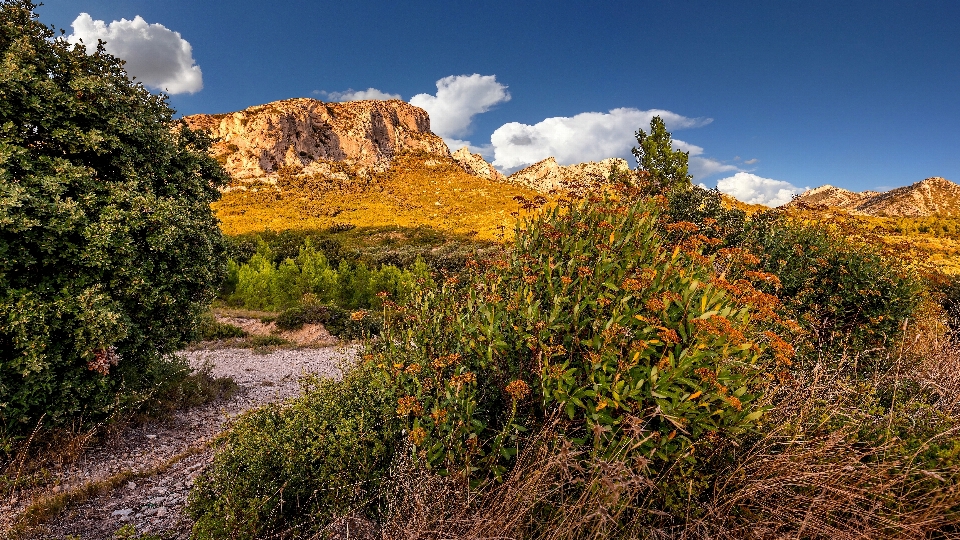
[(547, 175), (931, 197), (307, 135)]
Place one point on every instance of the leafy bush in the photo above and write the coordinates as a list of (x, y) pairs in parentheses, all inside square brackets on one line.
[(210, 329), (642, 348), (109, 251), (339, 322), (299, 463), (845, 295), (262, 284), (850, 300)]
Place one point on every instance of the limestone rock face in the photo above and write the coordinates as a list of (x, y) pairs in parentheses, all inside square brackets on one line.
[(305, 133), (547, 175), (831, 196), (934, 196), (475, 165)]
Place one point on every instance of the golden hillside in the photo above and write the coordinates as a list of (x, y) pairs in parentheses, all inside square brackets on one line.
[(418, 189)]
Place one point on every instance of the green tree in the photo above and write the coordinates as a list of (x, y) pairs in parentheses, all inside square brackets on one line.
[(109, 250), (655, 155)]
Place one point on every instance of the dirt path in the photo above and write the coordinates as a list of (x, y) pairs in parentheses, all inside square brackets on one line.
[(176, 448)]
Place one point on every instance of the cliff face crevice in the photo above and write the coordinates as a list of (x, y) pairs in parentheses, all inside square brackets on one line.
[(258, 141)]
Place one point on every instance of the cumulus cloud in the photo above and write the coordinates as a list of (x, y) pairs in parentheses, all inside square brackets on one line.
[(588, 136), (753, 189), (701, 167), (157, 56), (356, 95), (459, 98)]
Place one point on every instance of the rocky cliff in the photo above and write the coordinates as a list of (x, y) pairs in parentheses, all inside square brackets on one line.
[(306, 133), (477, 166), (931, 197), (547, 175)]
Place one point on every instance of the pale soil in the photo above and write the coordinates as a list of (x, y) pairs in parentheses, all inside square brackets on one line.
[(155, 503), (311, 335)]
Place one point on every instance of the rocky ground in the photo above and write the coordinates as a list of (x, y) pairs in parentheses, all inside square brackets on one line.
[(176, 449)]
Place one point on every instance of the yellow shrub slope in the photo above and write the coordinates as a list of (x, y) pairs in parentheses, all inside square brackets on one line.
[(417, 190)]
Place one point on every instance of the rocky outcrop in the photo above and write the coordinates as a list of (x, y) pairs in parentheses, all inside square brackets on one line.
[(475, 165), (834, 197), (307, 134), (548, 175), (934, 196), (931, 197)]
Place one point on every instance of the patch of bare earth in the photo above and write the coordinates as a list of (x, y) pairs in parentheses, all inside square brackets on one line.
[(311, 335), (159, 461)]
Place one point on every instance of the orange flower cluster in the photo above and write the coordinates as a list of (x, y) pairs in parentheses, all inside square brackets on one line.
[(439, 416), (720, 326), (783, 352), (565, 280), (409, 404), (655, 304), (418, 435), (709, 376), (585, 271), (441, 362), (518, 389), (668, 336), (459, 381), (358, 315), (682, 226)]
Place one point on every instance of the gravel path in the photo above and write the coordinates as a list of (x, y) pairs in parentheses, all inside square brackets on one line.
[(177, 446)]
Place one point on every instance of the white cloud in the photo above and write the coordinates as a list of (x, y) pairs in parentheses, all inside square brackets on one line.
[(356, 95), (701, 167), (753, 189), (459, 98), (157, 56), (692, 149), (751, 161), (588, 136)]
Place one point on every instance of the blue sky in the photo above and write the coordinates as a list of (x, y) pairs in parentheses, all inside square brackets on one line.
[(858, 94)]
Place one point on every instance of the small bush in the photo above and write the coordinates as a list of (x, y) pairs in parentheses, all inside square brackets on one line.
[(210, 329), (339, 322), (295, 465)]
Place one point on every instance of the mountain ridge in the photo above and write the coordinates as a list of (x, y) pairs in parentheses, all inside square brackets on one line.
[(934, 196)]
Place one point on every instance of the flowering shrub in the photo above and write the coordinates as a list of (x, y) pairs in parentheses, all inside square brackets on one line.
[(640, 345)]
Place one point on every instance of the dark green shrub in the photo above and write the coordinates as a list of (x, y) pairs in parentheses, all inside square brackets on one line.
[(850, 300), (109, 251), (294, 465), (339, 322)]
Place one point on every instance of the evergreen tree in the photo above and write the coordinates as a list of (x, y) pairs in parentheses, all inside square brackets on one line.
[(655, 155)]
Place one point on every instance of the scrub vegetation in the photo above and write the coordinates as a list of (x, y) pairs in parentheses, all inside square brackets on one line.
[(642, 362)]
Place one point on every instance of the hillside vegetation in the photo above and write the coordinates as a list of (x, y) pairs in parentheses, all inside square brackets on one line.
[(417, 190), (642, 362)]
